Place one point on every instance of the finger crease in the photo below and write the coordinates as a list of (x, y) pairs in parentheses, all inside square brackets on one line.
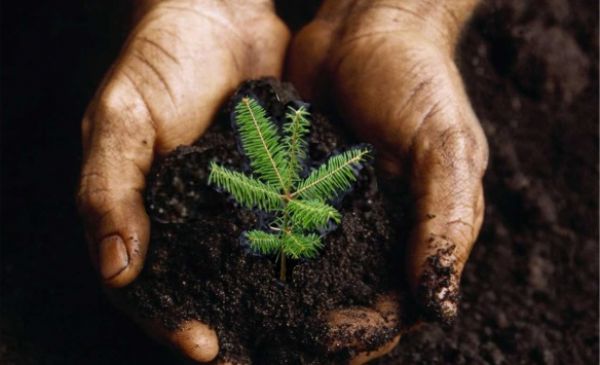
[(459, 221), (142, 58), (160, 48), (433, 109), (153, 121)]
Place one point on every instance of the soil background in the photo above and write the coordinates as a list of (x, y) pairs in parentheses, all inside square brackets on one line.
[(530, 290)]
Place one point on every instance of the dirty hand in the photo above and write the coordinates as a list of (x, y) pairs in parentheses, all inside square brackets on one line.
[(388, 67), (180, 62)]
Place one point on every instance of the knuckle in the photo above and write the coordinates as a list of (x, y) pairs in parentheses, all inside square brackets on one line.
[(457, 148), (93, 196), (121, 107), (111, 100), (461, 230)]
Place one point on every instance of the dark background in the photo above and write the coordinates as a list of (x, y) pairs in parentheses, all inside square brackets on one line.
[(54, 54), (530, 290)]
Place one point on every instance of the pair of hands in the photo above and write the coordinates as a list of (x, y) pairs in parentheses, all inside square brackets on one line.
[(387, 66)]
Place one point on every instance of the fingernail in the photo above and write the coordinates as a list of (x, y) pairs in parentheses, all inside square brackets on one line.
[(113, 257), (197, 341), (439, 287)]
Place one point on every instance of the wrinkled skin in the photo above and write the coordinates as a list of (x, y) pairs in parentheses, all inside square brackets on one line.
[(386, 65)]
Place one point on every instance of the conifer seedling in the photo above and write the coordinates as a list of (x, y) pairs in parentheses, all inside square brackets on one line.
[(300, 205)]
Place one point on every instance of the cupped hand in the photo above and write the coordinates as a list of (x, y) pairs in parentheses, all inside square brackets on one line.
[(180, 62), (388, 67)]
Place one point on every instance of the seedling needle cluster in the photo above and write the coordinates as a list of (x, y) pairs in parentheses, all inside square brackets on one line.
[(300, 205)]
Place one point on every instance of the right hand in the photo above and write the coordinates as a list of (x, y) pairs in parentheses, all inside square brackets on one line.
[(180, 62), (388, 66)]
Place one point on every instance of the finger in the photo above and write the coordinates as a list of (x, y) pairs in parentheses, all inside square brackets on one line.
[(367, 332), (118, 140), (421, 113), (192, 338), (448, 165), (195, 340), (307, 57), (388, 308)]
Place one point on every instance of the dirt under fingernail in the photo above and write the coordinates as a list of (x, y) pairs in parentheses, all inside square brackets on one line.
[(438, 290)]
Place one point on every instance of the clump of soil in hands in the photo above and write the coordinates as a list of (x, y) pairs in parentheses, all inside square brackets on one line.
[(198, 267)]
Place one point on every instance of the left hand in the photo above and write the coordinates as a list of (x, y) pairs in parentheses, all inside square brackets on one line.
[(182, 59), (388, 67)]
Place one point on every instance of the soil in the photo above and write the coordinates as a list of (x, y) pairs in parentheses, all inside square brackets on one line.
[(199, 268), (530, 289)]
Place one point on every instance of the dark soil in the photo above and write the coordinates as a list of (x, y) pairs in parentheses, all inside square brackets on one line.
[(530, 290), (199, 268)]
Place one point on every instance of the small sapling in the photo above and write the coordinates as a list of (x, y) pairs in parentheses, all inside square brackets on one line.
[(300, 205)]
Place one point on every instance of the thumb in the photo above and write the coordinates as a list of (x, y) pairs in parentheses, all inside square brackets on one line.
[(118, 142), (193, 339), (448, 166)]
